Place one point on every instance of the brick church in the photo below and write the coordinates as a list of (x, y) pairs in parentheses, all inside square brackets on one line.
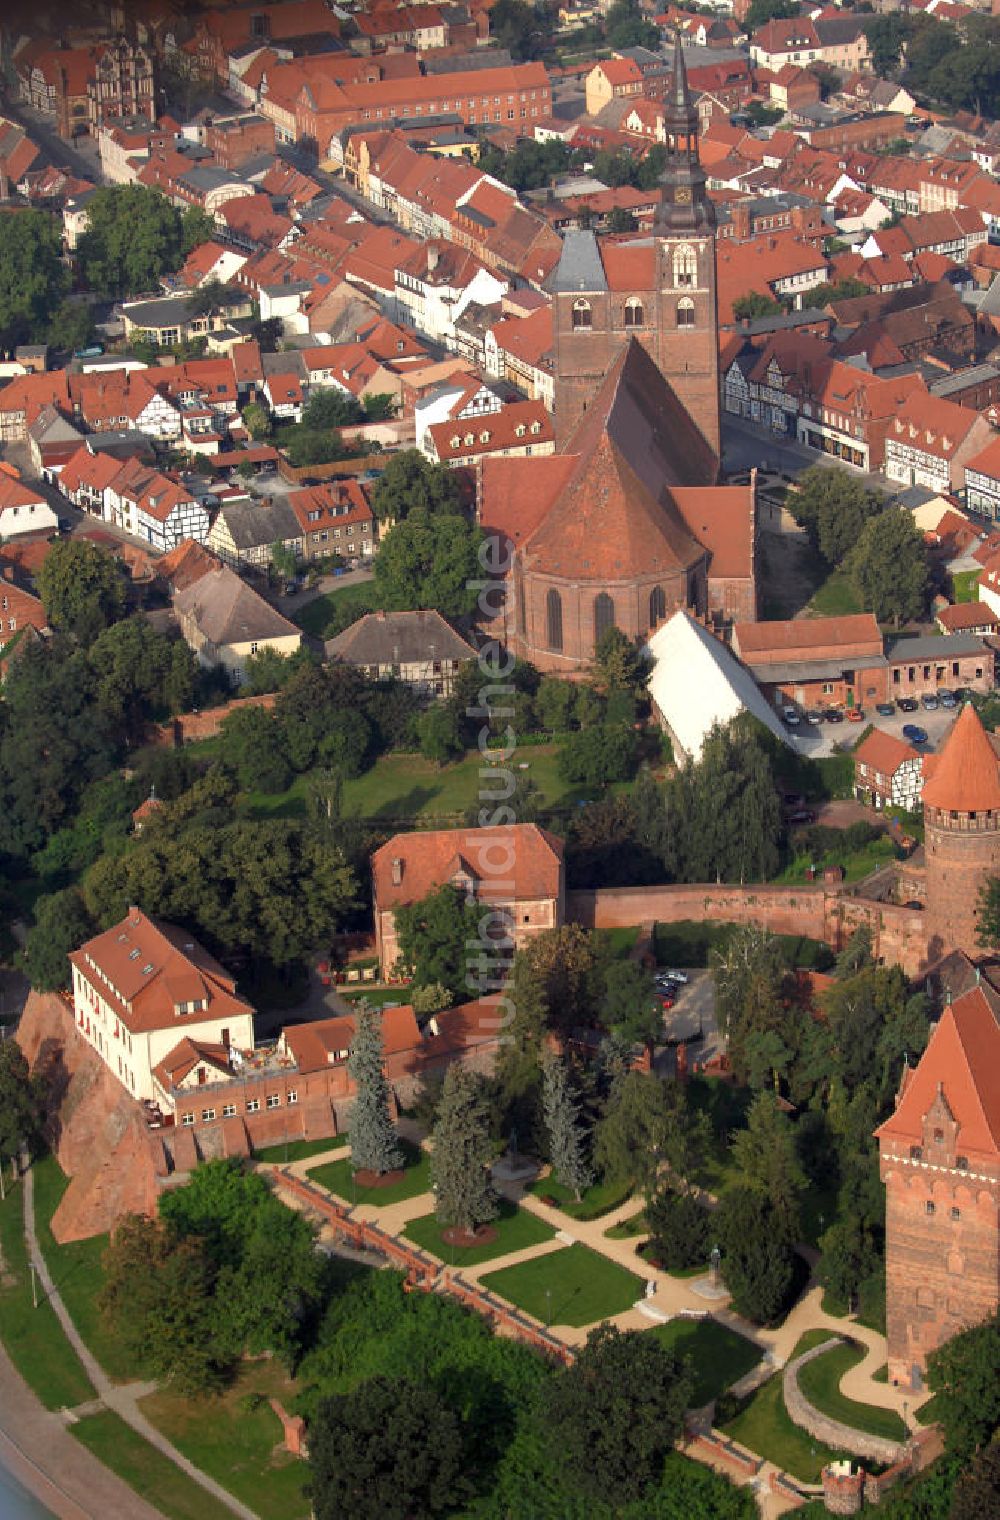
[(939, 1152), (626, 522)]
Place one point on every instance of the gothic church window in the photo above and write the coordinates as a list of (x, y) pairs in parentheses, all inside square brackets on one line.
[(604, 616), (582, 315), (685, 312), (553, 620), (634, 314), (657, 606), (685, 265)]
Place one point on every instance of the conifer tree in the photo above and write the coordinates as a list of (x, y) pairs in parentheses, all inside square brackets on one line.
[(460, 1161), (567, 1143), (374, 1146)]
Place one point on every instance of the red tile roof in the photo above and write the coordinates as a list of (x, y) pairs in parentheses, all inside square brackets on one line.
[(965, 615), (428, 860), (805, 637), (964, 776), (962, 1064), (317, 1045), (884, 752), (145, 969)]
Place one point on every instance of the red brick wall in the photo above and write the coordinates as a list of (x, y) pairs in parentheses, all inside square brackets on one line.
[(820, 912), (205, 725), (632, 609)]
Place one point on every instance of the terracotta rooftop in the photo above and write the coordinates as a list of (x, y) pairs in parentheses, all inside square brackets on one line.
[(965, 615), (962, 1063), (964, 776), (323, 1042), (425, 861), (884, 752), (148, 971), (755, 641)]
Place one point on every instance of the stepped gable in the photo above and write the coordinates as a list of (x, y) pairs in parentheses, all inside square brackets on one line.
[(614, 517), (965, 776), (961, 1064)]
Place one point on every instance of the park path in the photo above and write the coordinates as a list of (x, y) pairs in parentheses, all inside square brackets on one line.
[(121, 1398)]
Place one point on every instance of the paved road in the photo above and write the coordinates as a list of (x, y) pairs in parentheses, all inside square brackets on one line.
[(122, 1398), (745, 445), (822, 740)]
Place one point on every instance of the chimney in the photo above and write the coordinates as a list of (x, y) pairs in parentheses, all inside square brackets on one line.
[(8, 572), (134, 915), (397, 871)]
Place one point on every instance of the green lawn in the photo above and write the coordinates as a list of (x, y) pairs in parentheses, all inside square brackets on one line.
[(335, 610), (77, 1273), (234, 1437), (820, 1382), (928, 1412), (719, 1356), (404, 786), (583, 1288), (856, 864), (965, 586), (152, 1475), (598, 1199), (298, 1150), (515, 1228), (34, 1338), (836, 597), (337, 1177), (764, 1426)]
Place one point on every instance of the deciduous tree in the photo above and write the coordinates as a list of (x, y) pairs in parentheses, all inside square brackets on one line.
[(437, 937), (22, 1108), (888, 566), (429, 561), (409, 483), (81, 588), (964, 1375), (61, 924)]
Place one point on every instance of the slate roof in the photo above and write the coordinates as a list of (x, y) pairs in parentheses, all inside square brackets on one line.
[(229, 612), (398, 638), (254, 523)]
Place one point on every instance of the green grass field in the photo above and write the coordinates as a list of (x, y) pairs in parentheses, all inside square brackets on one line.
[(836, 597), (636, 1224), (77, 1273), (820, 1382), (235, 1438), (298, 1150), (600, 1198), (143, 1468), (766, 1427), (575, 1284), (516, 1229), (34, 1338), (965, 585), (335, 610), (856, 865), (719, 1356), (337, 1177)]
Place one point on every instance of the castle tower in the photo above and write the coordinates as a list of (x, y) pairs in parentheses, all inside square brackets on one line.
[(939, 1157), (659, 290), (961, 799)]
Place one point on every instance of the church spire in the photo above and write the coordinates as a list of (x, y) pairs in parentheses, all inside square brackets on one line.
[(684, 203)]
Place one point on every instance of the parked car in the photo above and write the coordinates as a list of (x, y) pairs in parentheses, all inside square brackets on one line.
[(812, 716), (947, 699), (962, 694), (929, 701), (791, 717), (802, 816), (907, 704), (885, 709), (666, 1001), (680, 977), (855, 715), (914, 733), (65, 525), (833, 715)]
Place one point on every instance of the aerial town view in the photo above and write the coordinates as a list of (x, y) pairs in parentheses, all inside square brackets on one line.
[(499, 759)]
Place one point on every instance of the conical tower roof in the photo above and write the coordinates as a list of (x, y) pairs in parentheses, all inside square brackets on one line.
[(678, 97), (965, 776)]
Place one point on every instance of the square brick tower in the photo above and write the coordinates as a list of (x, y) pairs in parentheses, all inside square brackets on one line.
[(939, 1157), (659, 290), (961, 798)]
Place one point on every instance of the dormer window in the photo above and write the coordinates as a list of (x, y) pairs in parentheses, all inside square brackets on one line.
[(133, 955), (520, 430), (484, 436), (536, 427), (454, 441)]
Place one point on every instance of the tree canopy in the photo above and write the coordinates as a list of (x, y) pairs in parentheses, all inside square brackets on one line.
[(429, 561), (888, 566), (134, 235), (82, 588), (33, 278), (410, 483), (833, 506)]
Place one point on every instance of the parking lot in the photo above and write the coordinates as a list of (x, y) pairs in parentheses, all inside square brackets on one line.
[(691, 1021), (823, 739)]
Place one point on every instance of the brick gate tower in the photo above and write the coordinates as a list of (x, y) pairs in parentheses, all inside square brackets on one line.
[(961, 798), (659, 289), (939, 1157)]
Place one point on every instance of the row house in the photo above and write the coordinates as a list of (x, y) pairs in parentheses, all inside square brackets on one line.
[(461, 396), (435, 284), (19, 609), (52, 441), (780, 264), (124, 149), (111, 400), (944, 183), (931, 440), (245, 531), (335, 518), (611, 79), (839, 42), (23, 509), (982, 481), (888, 772), (521, 428), (55, 81), (24, 397), (520, 350), (156, 508)]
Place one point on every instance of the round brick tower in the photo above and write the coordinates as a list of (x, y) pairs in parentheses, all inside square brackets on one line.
[(961, 800)]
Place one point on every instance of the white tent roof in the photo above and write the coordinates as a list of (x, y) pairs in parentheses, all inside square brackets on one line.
[(697, 682)]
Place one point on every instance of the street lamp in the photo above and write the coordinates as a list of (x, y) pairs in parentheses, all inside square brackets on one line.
[(548, 1307)]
